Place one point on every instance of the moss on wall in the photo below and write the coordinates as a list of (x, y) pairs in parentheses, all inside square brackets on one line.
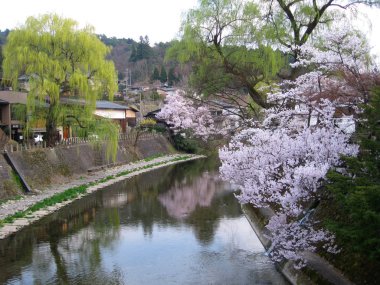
[(9, 186)]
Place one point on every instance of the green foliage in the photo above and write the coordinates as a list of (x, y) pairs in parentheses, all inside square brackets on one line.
[(154, 95), (148, 125), (1, 60), (108, 131), (172, 78), (224, 42), (60, 60), (185, 144), (18, 112), (163, 75), (156, 74), (113, 41), (357, 193), (133, 56), (69, 194), (17, 180), (3, 38), (150, 158), (141, 51), (147, 122)]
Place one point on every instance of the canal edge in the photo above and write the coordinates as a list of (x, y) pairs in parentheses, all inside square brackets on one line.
[(137, 168), (322, 268)]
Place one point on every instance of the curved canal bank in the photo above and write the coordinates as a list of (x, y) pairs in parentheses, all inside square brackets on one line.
[(17, 214)]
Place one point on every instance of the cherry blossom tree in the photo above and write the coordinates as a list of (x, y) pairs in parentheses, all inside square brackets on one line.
[(182, 113), (282, 161)]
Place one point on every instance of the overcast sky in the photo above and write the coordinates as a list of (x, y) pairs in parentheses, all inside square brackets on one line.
[(159, 19)]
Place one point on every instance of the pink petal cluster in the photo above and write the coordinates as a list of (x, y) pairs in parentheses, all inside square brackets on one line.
[(182, 114)]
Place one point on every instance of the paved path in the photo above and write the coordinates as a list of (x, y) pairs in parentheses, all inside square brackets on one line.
[(14, 206)]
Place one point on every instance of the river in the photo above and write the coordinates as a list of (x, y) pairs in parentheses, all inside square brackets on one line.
[(175, 225)]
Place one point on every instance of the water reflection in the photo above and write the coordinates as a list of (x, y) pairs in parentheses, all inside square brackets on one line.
[(183, 198), (176, 225)]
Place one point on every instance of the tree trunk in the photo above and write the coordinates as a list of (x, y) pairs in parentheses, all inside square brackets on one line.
[(51, 125)]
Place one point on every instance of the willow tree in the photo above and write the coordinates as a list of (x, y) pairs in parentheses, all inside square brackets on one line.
[(230, 58), (61, 60)]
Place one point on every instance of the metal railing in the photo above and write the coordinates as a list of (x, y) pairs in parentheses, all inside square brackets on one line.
[(127, 138)]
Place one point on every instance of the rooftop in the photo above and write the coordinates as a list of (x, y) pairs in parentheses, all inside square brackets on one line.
[(101, 104)]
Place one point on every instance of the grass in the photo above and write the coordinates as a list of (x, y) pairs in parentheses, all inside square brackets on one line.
[(69, 194), (74, 192), (150, 158)]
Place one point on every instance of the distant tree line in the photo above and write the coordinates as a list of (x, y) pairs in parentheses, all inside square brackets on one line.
[(113, 41), (171, 78)]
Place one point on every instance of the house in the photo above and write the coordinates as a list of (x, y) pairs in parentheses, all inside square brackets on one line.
[(131, 116), (10, 123), (124, 116), (13, 126), (111, 110)]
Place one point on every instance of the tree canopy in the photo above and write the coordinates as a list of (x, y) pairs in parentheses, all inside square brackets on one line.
[(61, 60), (236, 47), (141, 51), (224, 42)]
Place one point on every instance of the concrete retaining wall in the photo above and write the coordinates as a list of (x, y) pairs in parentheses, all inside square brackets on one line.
[(43, 167)]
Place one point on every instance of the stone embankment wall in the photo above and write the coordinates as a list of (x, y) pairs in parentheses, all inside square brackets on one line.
[(44, 167), (317, 271)]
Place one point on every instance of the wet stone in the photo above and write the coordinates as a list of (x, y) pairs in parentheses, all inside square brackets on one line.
[(7, 229), (21, 222), (41, 213)]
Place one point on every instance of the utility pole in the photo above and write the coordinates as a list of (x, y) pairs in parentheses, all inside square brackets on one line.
[(128, 78), (141, 106)]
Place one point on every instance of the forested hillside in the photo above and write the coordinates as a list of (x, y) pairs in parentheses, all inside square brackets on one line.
[(140, 62)]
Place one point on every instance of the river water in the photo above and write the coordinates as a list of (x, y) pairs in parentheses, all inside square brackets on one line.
[(175, 225)]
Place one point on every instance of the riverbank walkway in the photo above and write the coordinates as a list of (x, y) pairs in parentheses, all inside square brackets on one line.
[(13, 206)]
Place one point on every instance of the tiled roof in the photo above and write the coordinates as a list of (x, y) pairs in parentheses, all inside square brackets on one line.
[(109, 105), (99, 104), (13, 97)]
